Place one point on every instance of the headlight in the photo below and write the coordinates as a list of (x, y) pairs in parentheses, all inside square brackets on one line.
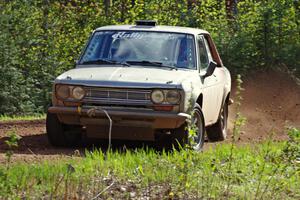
[(78, 93), (63, 91), (157, 96), (173, 97)]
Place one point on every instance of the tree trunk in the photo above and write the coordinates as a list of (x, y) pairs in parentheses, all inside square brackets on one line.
[(107, 4), (191, 3), (231, 8)]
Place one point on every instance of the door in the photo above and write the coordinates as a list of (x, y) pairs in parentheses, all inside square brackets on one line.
[(212, 90)]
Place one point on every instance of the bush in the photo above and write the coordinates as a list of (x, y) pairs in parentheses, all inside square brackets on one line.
[(291, 152)]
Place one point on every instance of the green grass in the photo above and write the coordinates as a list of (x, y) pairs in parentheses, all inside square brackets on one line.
[(6, 118), (262, 171)]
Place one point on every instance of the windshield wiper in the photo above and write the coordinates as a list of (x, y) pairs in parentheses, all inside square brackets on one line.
[(98, 61), (105, 61), (146, 62)]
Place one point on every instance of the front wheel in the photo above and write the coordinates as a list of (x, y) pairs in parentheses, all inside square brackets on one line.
[(193, 134), (218, 131), (60, 134)]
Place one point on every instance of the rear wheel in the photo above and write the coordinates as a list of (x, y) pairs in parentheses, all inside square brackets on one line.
[(194, 137), (218, 131), (60, 134)]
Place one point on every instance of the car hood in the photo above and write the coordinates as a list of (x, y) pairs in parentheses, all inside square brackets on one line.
[(122, 76)]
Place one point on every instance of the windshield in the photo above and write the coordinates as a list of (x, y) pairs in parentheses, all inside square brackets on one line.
[(141, 48)]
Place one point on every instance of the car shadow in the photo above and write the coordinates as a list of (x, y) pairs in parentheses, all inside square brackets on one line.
[(39, 145)]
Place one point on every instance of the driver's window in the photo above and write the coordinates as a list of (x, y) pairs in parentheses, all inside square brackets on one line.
[(202, 54)]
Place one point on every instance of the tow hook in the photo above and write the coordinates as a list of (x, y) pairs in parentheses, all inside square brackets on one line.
[(92, 113)]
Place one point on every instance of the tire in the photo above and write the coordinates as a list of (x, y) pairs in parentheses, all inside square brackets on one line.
[(62, 135), (180, 136), (218, 131)]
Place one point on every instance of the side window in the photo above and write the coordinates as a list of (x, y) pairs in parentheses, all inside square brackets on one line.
[(208, 50), (202, 53)]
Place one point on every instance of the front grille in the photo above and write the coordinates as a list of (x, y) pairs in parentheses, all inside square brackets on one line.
[(117, 96)]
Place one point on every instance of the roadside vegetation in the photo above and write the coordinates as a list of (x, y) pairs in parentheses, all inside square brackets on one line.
[(12, 118), (269, 170)]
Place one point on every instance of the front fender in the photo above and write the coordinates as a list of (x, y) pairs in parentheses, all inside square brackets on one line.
[(227, 86), (192, 90)]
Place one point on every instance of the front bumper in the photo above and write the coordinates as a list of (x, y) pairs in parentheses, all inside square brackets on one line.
[(124, 117)]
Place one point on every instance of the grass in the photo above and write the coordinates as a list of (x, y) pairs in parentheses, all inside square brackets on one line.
[(261, 171), (7, 118)]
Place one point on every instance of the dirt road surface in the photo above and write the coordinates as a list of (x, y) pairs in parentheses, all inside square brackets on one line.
[(271, 103)]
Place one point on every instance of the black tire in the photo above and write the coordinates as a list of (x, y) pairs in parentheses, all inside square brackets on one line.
[(218, 131), (180, 136), (62, 135)]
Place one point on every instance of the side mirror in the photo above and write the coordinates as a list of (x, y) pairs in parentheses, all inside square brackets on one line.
[(210, 70)]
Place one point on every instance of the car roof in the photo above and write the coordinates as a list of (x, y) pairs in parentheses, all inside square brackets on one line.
[(175, 29)]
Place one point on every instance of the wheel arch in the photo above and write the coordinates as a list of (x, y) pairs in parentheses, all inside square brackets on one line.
[(200, 100), (226, 99)]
